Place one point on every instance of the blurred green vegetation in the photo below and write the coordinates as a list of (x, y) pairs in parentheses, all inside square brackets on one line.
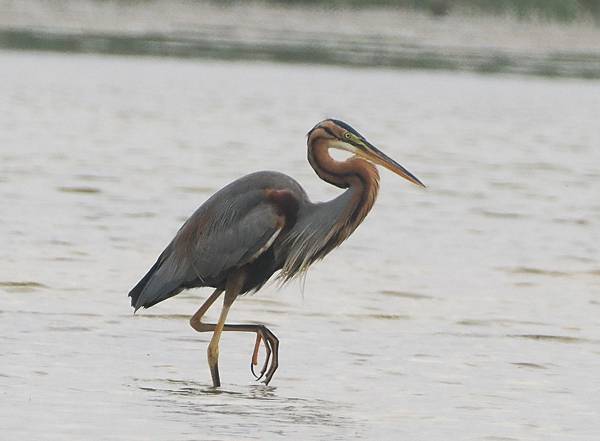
[(559, 10)]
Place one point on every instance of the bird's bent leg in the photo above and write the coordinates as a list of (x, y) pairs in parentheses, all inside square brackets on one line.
[(196, 320), (262, 334), (232, 289)]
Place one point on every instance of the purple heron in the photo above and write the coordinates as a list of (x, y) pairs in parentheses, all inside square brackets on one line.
[(263, 223)]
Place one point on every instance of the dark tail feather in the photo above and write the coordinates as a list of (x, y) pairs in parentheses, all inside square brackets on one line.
[(137, 289), (165, 279)]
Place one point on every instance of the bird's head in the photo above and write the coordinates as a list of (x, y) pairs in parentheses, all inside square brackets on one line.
[(339, 135)]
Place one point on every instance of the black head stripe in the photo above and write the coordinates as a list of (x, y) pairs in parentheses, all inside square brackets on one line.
[(327, 130), (347, 127)]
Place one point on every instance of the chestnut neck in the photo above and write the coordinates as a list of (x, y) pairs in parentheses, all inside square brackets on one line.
[(342, 174), (354, 173)]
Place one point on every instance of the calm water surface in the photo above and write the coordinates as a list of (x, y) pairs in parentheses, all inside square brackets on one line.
[(469, 311)]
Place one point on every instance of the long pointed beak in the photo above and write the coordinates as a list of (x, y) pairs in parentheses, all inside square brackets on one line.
[(376, 156)]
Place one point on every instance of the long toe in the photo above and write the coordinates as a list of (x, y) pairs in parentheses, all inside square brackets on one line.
[(269, 352), (254, 360), (274, 343)]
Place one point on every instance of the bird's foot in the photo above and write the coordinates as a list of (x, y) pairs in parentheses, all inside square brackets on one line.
[(272, 354)]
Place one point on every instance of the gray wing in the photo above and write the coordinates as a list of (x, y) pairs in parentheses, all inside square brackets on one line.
[(228, 231), (236, 237)]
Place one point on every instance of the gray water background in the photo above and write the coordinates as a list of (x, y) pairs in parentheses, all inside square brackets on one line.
[(467, 311)]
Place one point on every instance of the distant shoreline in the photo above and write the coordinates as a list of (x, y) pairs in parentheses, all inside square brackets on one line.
[(562, 11), (569, 65), (378, 37)]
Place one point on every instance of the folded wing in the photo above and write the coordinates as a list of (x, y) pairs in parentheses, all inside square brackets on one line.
[(227, 232)]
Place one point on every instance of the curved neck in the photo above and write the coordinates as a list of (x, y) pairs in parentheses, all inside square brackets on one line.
[(354, 173), (342, 174)]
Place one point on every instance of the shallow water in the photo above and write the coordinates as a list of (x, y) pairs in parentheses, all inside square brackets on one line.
[(466, 311)]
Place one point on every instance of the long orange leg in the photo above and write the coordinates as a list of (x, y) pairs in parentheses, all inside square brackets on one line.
[(233, 287), (196, 319), (262, 334)]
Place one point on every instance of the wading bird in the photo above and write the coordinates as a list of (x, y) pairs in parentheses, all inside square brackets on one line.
[(263, 223)]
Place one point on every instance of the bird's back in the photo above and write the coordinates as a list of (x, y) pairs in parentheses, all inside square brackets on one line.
[(234, 227)]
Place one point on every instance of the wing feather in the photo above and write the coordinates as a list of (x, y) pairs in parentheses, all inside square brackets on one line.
[(224, 233)]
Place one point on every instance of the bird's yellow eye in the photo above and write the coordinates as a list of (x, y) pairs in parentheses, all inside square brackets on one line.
[(347, 135)]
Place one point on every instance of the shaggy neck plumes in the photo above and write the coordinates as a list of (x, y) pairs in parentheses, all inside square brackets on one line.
[(327, 224)]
